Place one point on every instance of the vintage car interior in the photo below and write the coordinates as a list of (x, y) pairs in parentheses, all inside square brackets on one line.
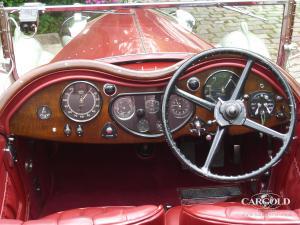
[(149, 124)]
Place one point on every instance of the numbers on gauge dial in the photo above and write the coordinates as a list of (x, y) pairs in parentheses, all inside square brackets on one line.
[(124, 108), (180, 107), (81, 101)]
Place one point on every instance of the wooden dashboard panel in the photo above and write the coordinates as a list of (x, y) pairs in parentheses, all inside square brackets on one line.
[(25, 121)]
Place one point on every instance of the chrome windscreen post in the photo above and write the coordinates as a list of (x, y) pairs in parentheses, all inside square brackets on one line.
[(286, 32), (7, 42)]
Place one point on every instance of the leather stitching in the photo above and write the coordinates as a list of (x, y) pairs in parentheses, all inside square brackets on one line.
[(296, 166), (4, 195)]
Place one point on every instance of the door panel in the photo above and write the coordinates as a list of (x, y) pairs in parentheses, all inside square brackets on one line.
[(12, 198)]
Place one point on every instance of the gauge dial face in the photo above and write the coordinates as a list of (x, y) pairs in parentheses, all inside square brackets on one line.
[(152, 105), (124, 108), (180, 107), (261, 104), (220, 85), (143, 126), (81, 101)]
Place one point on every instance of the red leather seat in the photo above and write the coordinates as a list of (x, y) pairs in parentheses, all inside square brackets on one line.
[(233, 213), (142, 215)]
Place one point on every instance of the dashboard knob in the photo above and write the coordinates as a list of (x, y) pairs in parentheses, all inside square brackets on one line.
[(67, 130), (193, 84), (140, 113), (109, 89), (79, 130)]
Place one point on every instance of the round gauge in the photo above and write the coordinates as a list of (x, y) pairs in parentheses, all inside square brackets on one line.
[(124, 108), (44, 112), (152, 105), (143, 126), (261, 104), (220, 85), (80, 101), (180, 107)]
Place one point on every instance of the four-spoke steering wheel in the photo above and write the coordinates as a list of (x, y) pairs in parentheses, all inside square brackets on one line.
[(228, 113)]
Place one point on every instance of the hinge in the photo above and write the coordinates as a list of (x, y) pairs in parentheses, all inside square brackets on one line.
[(11, 150)]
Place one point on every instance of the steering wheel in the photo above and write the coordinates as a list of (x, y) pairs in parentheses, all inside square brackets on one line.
[(228, 113)]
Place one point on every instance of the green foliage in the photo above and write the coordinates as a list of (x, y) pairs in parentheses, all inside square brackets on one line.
[(48, 2), (49, 22)]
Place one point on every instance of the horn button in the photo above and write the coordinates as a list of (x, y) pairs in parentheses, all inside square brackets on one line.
[(232, 112)]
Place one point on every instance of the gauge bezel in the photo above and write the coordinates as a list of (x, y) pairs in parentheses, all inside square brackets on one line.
[(213, 74), (258, 92), (179, 117), (127, 118), (187, 83), (144, 135), (100, 97)]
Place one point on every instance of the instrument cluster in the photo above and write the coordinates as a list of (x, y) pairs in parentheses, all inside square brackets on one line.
[(140, 113), (100, 112)]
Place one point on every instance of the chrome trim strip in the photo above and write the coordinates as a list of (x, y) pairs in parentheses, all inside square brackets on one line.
[(202, 3)]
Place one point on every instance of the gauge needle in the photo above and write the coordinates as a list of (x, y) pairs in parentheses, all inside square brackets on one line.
[(228, 82), (266, 105), (83, 97), (258, 107)]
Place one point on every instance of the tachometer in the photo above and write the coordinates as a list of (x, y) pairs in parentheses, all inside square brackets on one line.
[(180, 107), (220, 85), (124, 108), (81, 101)]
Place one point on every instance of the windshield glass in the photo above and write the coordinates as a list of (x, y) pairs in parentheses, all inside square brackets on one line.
[(174, 34)]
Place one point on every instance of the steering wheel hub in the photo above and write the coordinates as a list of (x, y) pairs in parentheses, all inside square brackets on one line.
[(230, 112)]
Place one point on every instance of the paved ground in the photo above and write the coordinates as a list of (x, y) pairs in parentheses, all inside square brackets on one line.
[(215, 22)]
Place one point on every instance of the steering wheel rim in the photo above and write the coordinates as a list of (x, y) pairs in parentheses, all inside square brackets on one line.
[(251, 58)]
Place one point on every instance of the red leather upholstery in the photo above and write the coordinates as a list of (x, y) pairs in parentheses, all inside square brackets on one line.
[(231, 213), (142, 215), (173, 215)]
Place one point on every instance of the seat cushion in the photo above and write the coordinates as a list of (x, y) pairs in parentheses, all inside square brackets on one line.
[(233, 213), (173, 215), (142, 215)]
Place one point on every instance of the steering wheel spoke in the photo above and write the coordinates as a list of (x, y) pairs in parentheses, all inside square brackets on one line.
[(214, 148), (243, 78), (229, 112), (199, 101), (266, 130)]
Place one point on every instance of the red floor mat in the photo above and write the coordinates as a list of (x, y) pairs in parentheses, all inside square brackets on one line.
[(91, 175)]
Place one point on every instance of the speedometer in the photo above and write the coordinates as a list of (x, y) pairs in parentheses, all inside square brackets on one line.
[(81, 101), (220, 85)]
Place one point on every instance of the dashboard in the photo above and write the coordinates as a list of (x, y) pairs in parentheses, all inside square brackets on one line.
[(89, 110)]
